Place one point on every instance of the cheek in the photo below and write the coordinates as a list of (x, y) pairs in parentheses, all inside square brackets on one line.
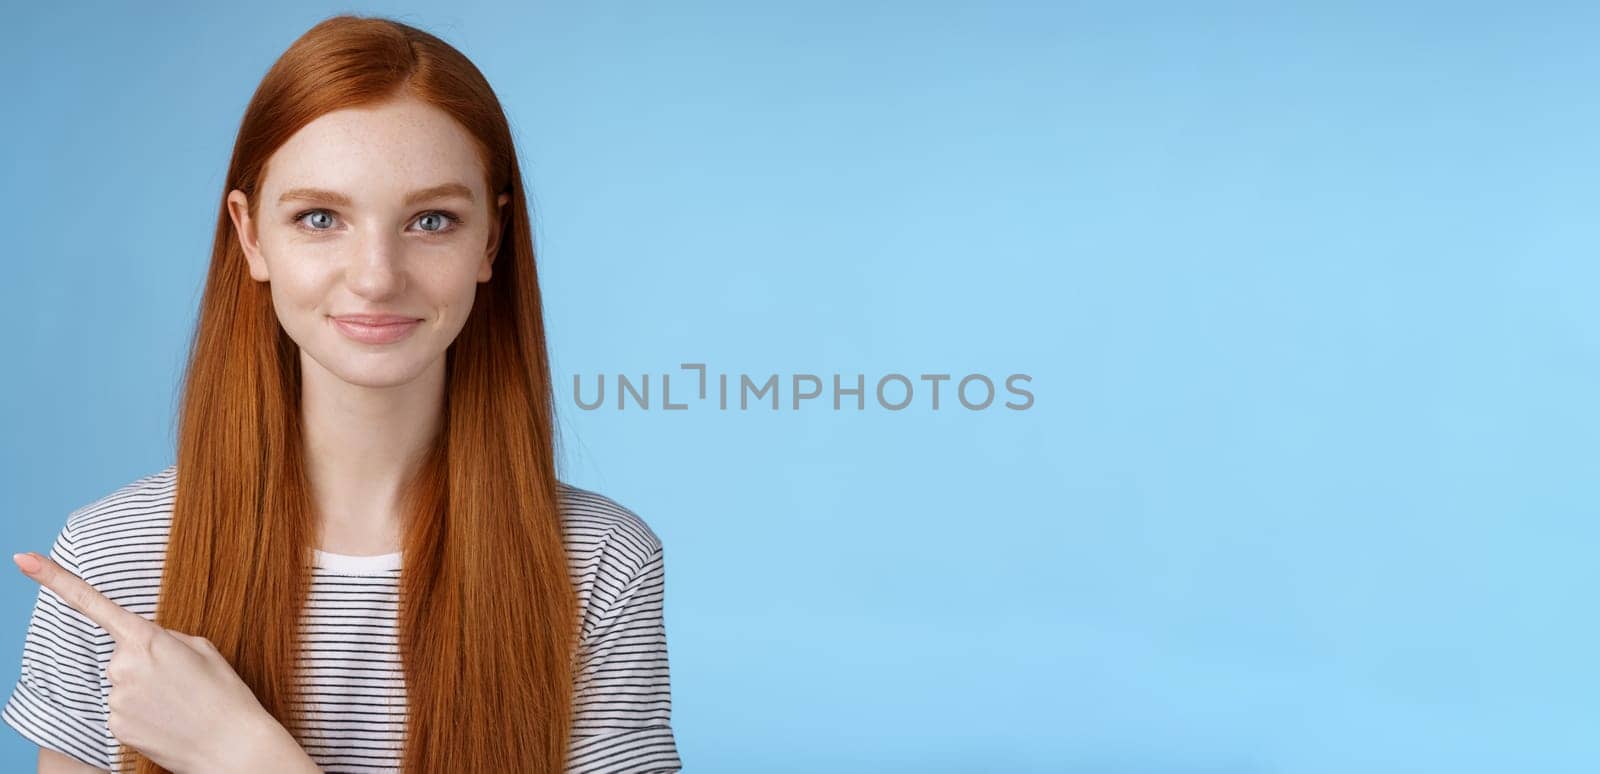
[(452, 283), (297, 288), (299, 282)]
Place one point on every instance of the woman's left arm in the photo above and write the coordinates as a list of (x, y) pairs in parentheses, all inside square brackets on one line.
[(623, 723), (173, 695)]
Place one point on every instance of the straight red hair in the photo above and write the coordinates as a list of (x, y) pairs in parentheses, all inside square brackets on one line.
[(488, 620)]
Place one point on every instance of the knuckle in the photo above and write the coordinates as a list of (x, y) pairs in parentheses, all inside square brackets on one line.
[(195, 641), (117, 667), (142, 642), (125, 665), (117, 722), (81, 597)]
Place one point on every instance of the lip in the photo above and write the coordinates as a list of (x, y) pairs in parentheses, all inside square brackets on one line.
[(375, 328)]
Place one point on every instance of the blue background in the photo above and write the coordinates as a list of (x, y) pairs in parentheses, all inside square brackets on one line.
[(1306, 295)]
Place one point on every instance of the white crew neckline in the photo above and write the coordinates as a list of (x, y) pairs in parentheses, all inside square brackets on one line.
[(350, 563)]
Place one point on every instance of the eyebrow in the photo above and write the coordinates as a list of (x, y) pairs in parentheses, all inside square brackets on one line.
[(322, 195)]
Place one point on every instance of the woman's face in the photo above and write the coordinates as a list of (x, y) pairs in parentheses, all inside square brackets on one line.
[(373, 230)]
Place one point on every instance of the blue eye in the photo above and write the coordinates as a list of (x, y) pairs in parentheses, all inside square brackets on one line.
[(446, 222), (327, 216)]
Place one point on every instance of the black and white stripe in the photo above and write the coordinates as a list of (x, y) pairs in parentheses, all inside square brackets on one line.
[(352, 683)]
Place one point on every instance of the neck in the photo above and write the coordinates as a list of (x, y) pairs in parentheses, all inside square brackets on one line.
[(362, 444)]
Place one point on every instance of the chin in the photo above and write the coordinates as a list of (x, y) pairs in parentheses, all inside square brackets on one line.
[(372, 369), (374, 381), (396, 371)]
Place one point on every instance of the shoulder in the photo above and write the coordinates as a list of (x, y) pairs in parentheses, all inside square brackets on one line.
[(139, 501), (596, 524), (117, 542), (612, 552)]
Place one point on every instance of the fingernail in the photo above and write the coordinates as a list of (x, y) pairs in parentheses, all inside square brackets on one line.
[(28, 562)]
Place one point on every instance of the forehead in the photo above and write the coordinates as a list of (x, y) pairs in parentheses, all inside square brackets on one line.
[(376, 151)]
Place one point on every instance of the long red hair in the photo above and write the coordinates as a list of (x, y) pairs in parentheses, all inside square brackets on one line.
[(488, 619)]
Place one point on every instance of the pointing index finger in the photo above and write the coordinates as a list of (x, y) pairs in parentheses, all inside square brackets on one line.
[(119, 622)]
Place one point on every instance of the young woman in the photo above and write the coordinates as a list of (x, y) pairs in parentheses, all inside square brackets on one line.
[(362, 559)]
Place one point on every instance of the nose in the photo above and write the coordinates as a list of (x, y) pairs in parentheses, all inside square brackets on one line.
[(375, 270)]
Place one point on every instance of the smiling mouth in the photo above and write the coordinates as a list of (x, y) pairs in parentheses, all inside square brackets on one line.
[(375, 329)]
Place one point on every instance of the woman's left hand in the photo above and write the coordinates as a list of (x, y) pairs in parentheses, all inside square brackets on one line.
[(173, 696)]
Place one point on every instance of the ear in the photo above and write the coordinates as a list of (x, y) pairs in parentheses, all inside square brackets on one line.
[(239, 211), (496, 228)]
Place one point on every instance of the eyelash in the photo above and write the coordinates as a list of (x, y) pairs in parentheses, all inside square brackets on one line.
[(452, 222)]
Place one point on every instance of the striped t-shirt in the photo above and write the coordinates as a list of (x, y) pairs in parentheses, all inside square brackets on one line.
[(353, 687)]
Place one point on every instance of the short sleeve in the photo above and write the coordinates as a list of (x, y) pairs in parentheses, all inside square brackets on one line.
[(623, 703), (58, 702)]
